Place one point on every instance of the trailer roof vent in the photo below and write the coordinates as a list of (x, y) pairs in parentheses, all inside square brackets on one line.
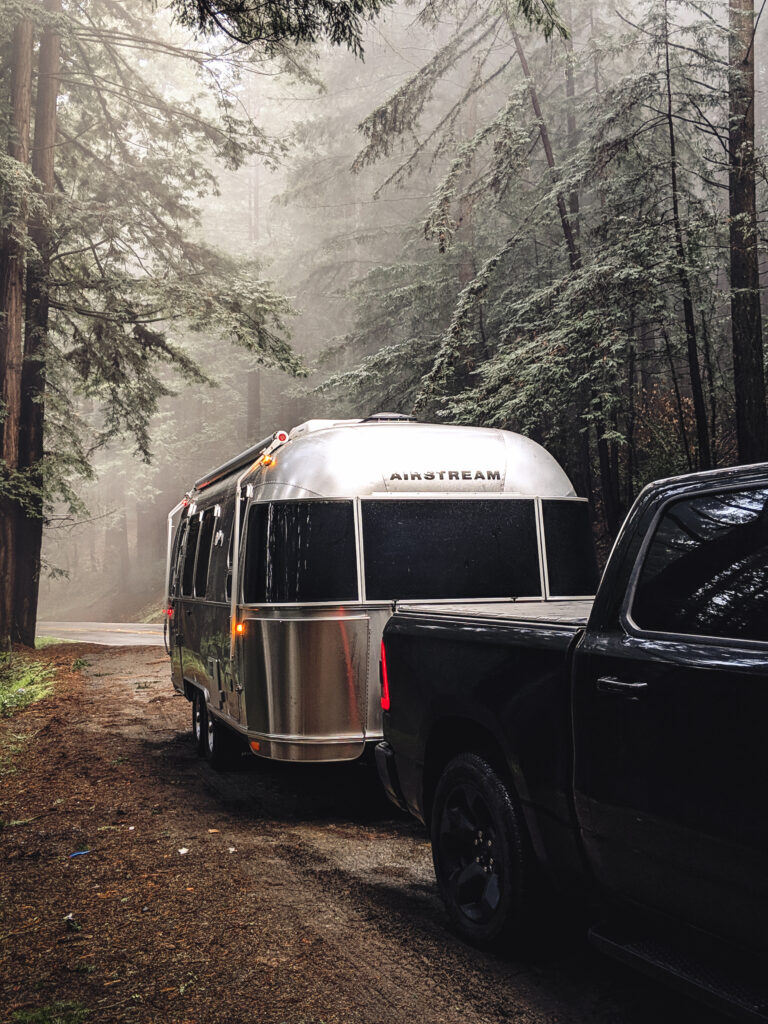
[(389, 417)]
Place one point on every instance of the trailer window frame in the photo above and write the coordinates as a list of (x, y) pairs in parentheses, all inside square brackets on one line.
[(363, 597)]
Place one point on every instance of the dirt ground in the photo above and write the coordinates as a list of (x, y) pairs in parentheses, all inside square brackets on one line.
[(139, 884)]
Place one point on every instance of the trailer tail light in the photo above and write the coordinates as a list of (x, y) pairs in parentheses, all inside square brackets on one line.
[(384, 679), (255, 746), (169, 612)]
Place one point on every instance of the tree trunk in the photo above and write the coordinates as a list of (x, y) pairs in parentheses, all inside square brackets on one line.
[(574, 256), (746, 318), (697, 391), (11, 326), (570, 106), (30, 530)]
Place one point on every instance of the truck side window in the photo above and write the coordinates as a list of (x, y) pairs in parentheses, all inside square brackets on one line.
[(188, 572), (300, 551), (706, 570), (204, 553)]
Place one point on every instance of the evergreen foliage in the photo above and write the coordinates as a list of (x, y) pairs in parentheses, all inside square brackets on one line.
[(577, 284)]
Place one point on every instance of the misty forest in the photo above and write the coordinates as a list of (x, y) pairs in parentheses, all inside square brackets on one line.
[(221, 219)]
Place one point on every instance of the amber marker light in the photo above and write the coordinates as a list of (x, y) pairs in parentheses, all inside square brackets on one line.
[(255, 746), (240, 628)]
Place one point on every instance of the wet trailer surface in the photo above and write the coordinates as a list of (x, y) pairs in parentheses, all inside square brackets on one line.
[(276, 893)]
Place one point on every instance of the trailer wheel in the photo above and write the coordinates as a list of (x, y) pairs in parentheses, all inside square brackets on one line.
[(480, 852), (221, 744), (199, 721)]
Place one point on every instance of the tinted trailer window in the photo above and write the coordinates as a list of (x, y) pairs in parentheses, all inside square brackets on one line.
[(571, 562), (300, 552), (450, 549)]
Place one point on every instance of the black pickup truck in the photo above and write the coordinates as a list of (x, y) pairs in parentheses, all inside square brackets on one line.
[(618, 743)]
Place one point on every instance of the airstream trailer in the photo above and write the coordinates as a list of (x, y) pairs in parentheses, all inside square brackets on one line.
[(284, 563)]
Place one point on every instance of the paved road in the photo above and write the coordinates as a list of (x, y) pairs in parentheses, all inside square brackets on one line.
[(112, 634)]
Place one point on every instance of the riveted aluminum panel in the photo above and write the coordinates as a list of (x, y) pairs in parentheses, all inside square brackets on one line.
[(307, 682)]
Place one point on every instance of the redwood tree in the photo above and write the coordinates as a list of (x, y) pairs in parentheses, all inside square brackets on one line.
[(12, 263)]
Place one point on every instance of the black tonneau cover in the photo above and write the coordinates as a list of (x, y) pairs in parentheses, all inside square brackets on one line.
[(556, 613)]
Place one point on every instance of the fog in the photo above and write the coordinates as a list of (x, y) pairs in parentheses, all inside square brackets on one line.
[(492, 247)]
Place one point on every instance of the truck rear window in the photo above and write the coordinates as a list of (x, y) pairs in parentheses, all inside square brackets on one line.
[(450, 549)]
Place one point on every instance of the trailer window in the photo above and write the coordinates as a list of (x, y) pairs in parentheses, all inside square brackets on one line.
[(706, 571), (188, 574), (178, 553), (571, 562), (450, 549), (204, 553), (300, 551)]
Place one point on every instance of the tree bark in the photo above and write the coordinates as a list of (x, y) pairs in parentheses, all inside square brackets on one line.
[(694, 369), (574, 255), (746, 317), (11, 326), (30, 528)]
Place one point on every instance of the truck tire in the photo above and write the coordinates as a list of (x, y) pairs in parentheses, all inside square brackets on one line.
[(199, 721), (480, 852)]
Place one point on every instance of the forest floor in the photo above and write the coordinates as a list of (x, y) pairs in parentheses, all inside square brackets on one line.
[(138, 885)]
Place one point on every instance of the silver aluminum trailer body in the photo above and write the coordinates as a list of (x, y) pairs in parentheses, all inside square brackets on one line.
[(284, 570)]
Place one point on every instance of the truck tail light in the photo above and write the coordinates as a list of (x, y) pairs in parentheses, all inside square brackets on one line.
[(384, 679)]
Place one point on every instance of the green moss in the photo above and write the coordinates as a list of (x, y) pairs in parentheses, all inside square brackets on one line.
[(56, 1013), (22, 683)]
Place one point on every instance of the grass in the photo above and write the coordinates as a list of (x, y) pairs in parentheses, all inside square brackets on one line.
[(48, 641), (13, 744), (22, 683), (55, 1013)]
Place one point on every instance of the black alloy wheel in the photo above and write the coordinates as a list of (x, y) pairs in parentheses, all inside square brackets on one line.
[(199, 721), (480, 852)]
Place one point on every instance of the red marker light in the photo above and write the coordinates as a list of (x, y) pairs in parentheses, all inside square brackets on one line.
[(185, 502), (384, 680), (282, 437), (169, 612)]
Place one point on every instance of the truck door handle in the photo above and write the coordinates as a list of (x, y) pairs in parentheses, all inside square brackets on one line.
[(608, 684)]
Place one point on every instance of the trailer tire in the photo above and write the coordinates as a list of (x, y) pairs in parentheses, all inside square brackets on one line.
[(222, 748), (199, 720), (480, 850)]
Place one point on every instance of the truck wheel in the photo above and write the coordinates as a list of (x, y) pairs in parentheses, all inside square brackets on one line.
[(221, 745), (480, 854), (199, 721)]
